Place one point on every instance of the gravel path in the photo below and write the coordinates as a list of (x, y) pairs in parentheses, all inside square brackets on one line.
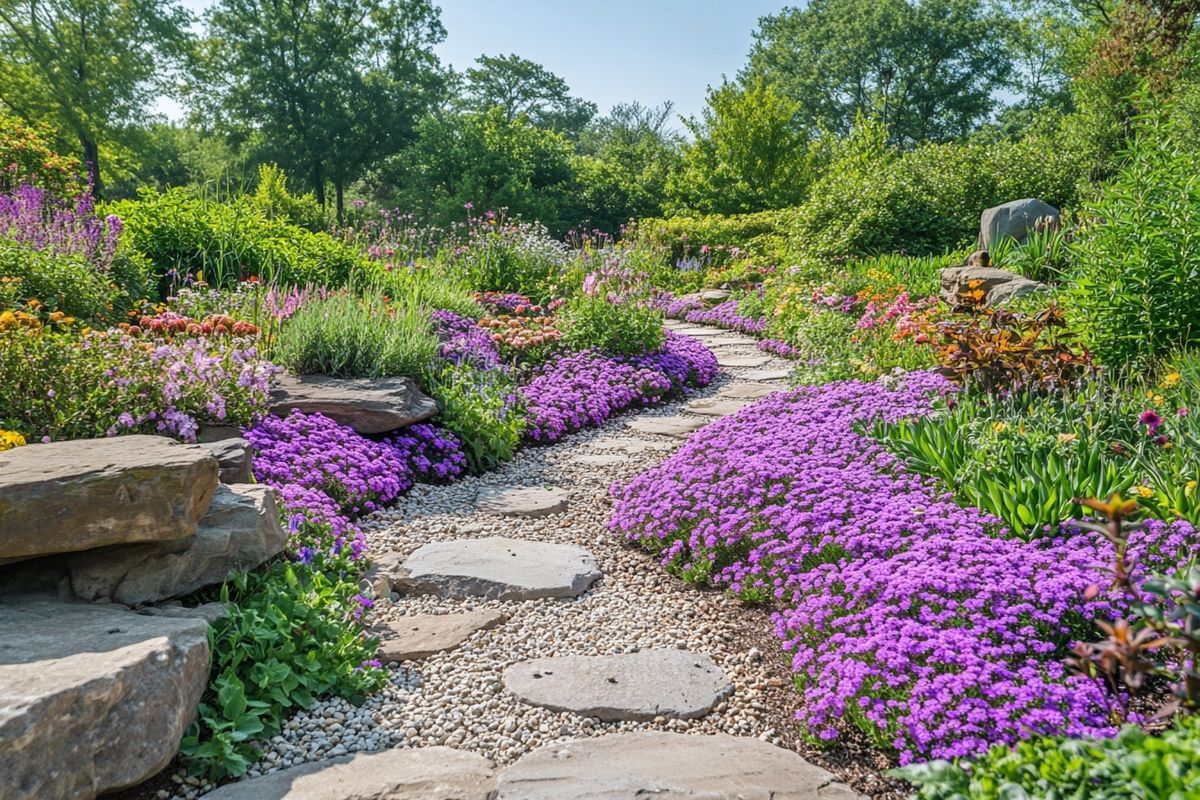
[(457, 698)]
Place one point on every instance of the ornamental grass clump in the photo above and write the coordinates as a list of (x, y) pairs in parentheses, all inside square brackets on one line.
[(909, 617)]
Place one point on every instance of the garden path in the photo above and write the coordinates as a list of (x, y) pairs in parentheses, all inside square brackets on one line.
[(501, 671)]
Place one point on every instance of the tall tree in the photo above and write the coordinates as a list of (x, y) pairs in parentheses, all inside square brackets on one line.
[(519, 86), (928, 68), (333, 85), (88, 67)]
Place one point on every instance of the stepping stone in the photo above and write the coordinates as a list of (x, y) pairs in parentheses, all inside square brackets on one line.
[(748, 391), (601, 459), (742, 361), (644, 764), (421, 635), (768, 375), (629, 686), (677, 426), (701, 332), (427, 773), (522, 502), (631, 445), (497, 568), (732, 341), (716, 408), (93, 698)]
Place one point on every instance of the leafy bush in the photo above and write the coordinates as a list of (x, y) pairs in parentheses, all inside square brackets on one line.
[(273, 198), (711, 240), (482, 409), (291, 633), (1133, 764), (352, 336), (505, 256), (1134, 293), (617, 329), (29, 159), (185, 236)]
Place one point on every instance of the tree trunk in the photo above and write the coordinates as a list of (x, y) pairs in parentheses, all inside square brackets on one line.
[(319, 182), (91, 157), (339, 190)]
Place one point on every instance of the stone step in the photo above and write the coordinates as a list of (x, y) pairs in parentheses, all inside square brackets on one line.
[(716, 408), (525, 501), (428, 773), (749, 391), (93, 698), (497, 568), (700, 332), (627, 444), (628, 686), (767, 375), (742, 362), (422, 635), (626, 766), (678, 426)]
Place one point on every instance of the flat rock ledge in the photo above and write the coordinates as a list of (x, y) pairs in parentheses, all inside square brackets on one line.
[(638, 686), (497, 568), (678, 426), (633, 766), (77, 495), (528, 501), (428, 773), (368, 405), (93, 698), (422, 635)]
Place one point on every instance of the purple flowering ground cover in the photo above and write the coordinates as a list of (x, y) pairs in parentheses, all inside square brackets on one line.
[(584, 389), (908, 616)]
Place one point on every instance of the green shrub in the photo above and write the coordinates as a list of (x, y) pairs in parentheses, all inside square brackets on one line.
[(1134, 292), (289, 635), (1132, 765), (225, 242), (70, 283), (709, 241), (520, 257), (481, 408), (273, 198), (618, 329), (348, 335)]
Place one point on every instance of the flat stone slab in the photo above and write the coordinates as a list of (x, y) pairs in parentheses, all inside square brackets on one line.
[(732, 341), (678, 426), (644, 764), (368, 405), (716, 408), (422, 635), (86, 493), (629, 686), (742, 361), (497, 568), (93, 698), (700, 332), (523, 501), (768, 375), (427, 773), (628, 444), (601, 459), (748, 391)]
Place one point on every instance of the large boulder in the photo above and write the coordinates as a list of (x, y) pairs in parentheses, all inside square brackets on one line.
[(240, 531), (235, 459), (92, 697), (998, 286), (368, 405), (78, 495), (1014, 220)]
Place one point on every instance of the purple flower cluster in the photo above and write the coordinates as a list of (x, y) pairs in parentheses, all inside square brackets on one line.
[(908, 616), (780, 348), (331, 474), (676, 307), (463, 340), (584, 389), (726, 315), (31, 217)]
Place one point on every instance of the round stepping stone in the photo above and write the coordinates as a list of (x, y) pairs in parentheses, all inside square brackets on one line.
[(677, 426), (645, 764), (398, 774), (422, 635), (601, 459), (742, 361), (768, 375), (522, 502), (630, 445), (716, 408), (629, 686), (497, 568), (748, 391)]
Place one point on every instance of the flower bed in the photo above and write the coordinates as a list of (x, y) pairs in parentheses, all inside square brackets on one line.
[(909, 617), (584, 389)]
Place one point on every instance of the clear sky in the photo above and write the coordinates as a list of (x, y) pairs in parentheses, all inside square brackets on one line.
[(608, 51)]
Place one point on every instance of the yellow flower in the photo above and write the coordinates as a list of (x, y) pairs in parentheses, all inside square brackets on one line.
[(1000, 427), (10, 439), (1191, 486), (1170, 380), (1143, 491), (1063, 438)]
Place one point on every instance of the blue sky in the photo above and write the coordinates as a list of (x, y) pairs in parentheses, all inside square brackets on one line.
[(608, 51)]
